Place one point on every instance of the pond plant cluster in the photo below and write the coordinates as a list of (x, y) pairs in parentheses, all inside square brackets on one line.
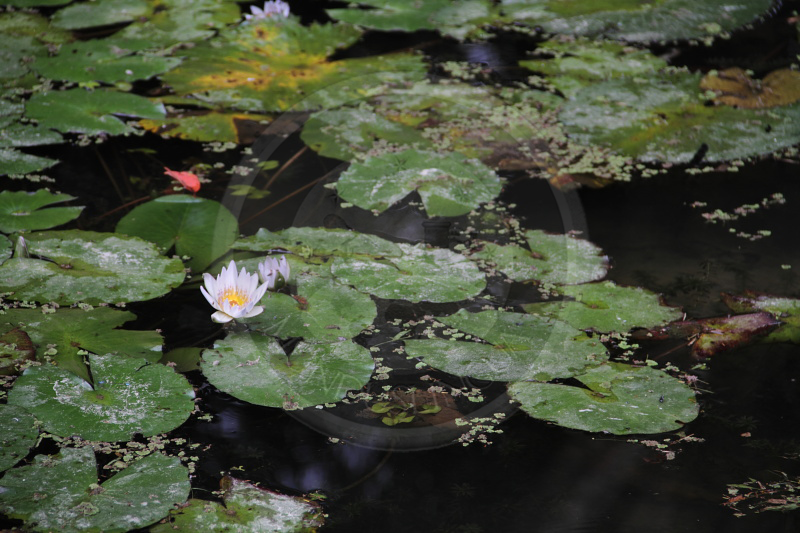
[(311, 315)]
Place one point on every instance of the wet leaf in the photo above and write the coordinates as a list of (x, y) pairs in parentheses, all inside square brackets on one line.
[(254, 368), (245, 508), (735, 88), (207, 126), (456, 19), (230, 72), (421, 274), (18, 436), (98, 13), (521, 347), (560, 259), (617, 398), (664, 118), (321, 311), (93, 113), (22, 211), (607, 307), (628, 20), (91, 267), (787, 310), (15, 348), (449, 184), (579, 63), (16, 162), (59, 493), (201, 229), (102, 61), (319, 243), (725, 333), (5, 249), (128, 396), (62, 335)]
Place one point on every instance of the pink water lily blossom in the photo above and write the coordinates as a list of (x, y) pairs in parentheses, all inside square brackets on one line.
[(233, 295), (274, 272), (271, 9)]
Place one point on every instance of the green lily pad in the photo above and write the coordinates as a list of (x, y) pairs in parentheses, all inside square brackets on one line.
[(449, 184), (618, 398), (60, 492), (129, 396), (659, 20), (254, 368), (522, 347), (16, 162), (664, 118), (91, 267), (19, 435), (82, 15), (421, 274), (606, 307), (245, 508), (16, 348), (787, 310), (322, 311), (13, 134), (230, 70), (579, 63), (101, 61), (35, 3), (559, 259), (6, 249), (456, 19), (201, 229), (208, 126), (65, 334), (319, 243), (90, 112), (21, 211)]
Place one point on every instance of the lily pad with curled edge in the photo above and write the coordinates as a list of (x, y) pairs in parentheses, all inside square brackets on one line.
[(664, 118), (67, 333), (128, 396), (449, 184), (91, 267), (232, 70), (245, 508), (522, 347), (254, 368), (457, 19), (421, 274), (99, 13), (627, 20), (208, 126), (607, 307), (578, 63), (321, 311), (92, 113), (616, 398), (18, 436), (735, 88), (787, 310), (22, 211), (61, 493), (196, 227), (559, 259), (319, 243)]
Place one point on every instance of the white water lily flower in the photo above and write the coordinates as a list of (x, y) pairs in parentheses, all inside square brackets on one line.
[(274, 272), (232, 295), (272, 8)]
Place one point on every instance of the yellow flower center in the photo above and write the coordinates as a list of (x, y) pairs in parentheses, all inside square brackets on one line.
[(234, 296)]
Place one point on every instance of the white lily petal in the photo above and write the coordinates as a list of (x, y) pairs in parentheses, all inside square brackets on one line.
[(221, 318)]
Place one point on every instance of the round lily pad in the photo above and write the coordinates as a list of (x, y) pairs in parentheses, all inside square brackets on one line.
[(321, 311), (18, 436), (618, 398), (128, 396), (449, 184), (245, 508), (199, 228), (522, 347), (98, 13), (560, 259), (90, 267), (61, 492), (664, 118), (22, 211), (422, 274), (254, 368), (607, 307)]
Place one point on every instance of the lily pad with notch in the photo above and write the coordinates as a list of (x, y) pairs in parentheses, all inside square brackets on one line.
[(61, 492), (23, 211), (127, 396)]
